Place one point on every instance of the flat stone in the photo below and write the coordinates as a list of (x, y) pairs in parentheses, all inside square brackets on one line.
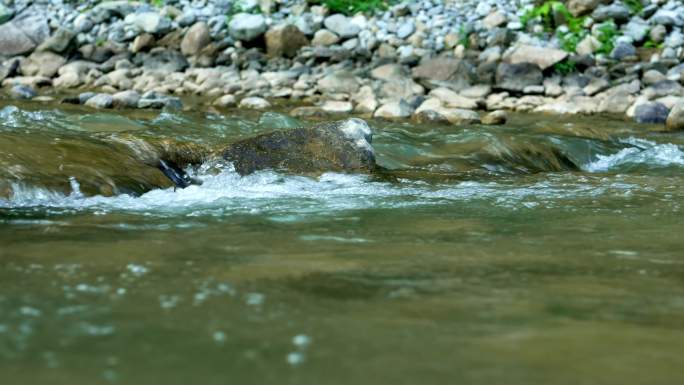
[(494, 19), (394, 110), (337, 107), (341, 25), (338, 82), (254, 103), (324, 38), (543, 57), (150, 22), (616, 11), (452, 99)]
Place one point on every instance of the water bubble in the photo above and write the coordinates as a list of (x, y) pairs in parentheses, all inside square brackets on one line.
[(30, 311), (255, 299), (301, 340), (295, 358), (137, 270), (168, 301), (219, 337)]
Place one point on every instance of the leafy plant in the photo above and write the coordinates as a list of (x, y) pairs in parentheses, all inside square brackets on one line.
[(565, 67), (158, 3), (569, 40), (545, 12), (652, 44), (463, 37), (607, 33), (634, 5), (351, 7)]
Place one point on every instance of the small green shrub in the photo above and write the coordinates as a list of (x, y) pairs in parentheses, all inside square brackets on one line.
[(546, 13), (565, 67), (568, 41), (351, 7), (463, 37), (634, 5), (652, 44), (607, 33)]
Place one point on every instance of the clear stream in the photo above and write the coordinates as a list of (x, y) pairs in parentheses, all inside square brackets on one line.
[(488, 260)]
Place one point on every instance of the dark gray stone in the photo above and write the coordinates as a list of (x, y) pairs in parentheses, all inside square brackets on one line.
[(22, 92), (515, 77), (652, 112)]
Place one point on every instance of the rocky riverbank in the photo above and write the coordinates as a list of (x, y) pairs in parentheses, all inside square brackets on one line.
[(439, 60)]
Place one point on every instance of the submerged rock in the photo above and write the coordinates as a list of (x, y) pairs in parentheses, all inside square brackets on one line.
[(336, 146)]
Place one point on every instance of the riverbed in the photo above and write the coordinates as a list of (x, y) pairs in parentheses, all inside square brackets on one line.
[(548, 250)]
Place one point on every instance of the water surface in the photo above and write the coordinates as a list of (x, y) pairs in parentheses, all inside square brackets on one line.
[(546, 251)]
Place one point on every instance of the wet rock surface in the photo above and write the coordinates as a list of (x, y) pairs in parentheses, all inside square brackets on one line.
[(336, 146)]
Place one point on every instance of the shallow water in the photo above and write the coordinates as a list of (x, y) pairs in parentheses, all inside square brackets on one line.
[(546, 251)]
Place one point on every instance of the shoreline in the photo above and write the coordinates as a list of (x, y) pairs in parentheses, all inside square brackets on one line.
[(410, 61)]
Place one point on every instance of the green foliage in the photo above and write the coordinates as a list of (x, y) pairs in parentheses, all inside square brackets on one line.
[(463, 37), (99, 42), (607, 33), (158, 3), (652, 44), (634, 5), (545, 13), (568, 41), (565, 67), (351, 7)]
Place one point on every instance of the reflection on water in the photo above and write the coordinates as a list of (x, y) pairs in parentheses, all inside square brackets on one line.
[(547, 251)]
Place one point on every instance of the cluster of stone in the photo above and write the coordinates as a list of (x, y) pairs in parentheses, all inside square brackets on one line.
[(433, 61)]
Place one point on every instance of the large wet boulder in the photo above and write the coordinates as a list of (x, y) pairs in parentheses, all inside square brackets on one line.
[(335, 146)]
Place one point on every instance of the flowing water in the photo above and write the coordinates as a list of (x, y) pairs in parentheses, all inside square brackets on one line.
[(546, 251)]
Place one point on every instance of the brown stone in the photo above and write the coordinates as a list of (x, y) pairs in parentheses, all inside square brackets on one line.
[(285, 40)]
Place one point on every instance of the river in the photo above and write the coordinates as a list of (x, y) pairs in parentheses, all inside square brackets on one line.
[(546, 251)]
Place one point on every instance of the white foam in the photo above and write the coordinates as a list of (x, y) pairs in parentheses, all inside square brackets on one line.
[(642, 152), (358, 131), (293, 198)]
